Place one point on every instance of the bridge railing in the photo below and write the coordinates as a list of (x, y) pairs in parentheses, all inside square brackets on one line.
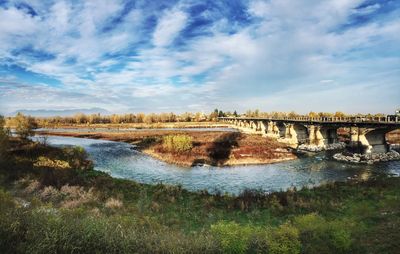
[(384, 119)]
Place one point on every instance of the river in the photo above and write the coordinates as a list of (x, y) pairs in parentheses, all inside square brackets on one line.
[(121, 160)]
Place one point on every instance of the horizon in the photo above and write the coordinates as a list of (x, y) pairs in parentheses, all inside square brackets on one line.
[(71, 113), (190, 56)]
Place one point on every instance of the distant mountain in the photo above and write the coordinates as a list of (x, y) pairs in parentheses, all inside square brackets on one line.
[(61, 112)]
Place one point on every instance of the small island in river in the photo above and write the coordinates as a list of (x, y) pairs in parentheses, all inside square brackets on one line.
[(210, 147)]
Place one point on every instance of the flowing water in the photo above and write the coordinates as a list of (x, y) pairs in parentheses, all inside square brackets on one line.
[(121, 160)]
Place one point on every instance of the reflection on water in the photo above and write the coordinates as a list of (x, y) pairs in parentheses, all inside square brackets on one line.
[(122, 161)]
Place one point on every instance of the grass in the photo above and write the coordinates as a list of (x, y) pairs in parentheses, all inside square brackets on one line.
[(47, 208)]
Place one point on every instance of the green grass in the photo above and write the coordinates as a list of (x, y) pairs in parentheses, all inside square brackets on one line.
[(45, 209)]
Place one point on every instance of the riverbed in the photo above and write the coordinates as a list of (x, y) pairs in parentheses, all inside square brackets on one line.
[(121, 160)]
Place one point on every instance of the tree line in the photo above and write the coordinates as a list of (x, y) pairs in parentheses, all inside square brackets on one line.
[(292, 114), (27, 122), (81, 118)]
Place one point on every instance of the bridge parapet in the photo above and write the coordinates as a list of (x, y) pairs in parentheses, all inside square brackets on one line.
[(347, 121)]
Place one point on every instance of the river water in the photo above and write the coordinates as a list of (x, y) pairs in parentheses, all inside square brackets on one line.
[(121, 160)]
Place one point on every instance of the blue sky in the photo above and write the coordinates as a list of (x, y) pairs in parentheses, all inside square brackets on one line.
[(162, 56)]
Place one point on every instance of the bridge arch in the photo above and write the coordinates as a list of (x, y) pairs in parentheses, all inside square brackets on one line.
[(376, 139), (301, 133)]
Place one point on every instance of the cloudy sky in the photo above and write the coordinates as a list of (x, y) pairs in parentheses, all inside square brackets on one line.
[(161, 56)]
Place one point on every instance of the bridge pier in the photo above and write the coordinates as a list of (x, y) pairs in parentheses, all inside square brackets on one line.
[(253, 127), (315, 136), (322, 136), (368, 140), (272, 130), (290, 135), (262, 128)]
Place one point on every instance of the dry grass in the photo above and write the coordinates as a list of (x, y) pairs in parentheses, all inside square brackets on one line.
[(113, 203), (49, 193), (67, 196), (33, 186), (75, 196)]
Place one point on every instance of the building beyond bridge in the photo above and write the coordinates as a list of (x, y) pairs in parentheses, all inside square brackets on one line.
[(367, 134)]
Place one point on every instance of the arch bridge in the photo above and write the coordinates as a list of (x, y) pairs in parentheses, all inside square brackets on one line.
[(367, 135)]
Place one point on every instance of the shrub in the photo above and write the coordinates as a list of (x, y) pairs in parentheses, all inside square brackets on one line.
[(24, 125), (233, 238), (46, 162), (320, 236), (3, 141), (284, 240), (77, 157), (6, 200), (177, 143)]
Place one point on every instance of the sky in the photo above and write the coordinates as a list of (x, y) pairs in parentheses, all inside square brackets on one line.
[(185, 55)]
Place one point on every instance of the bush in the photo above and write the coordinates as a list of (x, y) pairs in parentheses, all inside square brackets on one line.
[(232, 237), (177, 143), (3, 141), (77, 157), (24, 126), (46, 162), (284, 240), (320, 236)]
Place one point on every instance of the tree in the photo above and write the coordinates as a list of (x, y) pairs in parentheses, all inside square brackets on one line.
[(339, 114), (24, 125), (312, 114), (235, 114), (3, 140), (292, 114), (249, 113), (214, 115)]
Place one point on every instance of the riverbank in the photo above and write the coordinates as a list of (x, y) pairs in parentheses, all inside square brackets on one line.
[(217, 148), (54, 192)]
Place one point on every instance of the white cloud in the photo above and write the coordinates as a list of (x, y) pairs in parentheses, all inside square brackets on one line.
[(168, 27), (291, 46), (324, 81)]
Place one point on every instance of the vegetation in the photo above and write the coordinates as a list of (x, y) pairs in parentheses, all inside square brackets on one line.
[(52, 201), (177, 143), (23, 125), (141, 118), (3, 140), (258, 113)]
